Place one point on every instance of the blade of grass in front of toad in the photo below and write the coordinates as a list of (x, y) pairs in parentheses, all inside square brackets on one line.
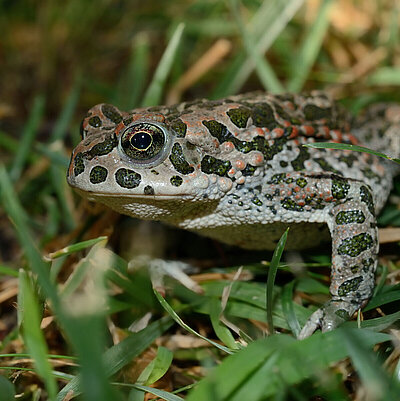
[(33, 335), (122, 353), (181, 323), (346, 146), (288, 308), (273, 267), (310, 48), (7, 389), (154, 91), (250, 371), (40, 269)]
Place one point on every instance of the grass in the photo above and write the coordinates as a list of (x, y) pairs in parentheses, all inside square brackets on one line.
[(76, 320)]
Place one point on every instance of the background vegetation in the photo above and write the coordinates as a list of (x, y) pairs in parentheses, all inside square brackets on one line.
[(76, 319)]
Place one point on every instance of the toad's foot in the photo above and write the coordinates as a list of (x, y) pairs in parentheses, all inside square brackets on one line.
[(327, 318), (159, 269)]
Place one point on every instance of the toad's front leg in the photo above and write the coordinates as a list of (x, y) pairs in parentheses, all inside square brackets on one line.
[(352, 224)]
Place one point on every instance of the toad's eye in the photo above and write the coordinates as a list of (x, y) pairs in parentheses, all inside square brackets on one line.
[(145, 143)]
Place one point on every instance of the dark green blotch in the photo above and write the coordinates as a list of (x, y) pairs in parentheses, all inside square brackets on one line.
[(239, 116), (95, 121), (257, 201), (127, 178), (355, 268), (355, 245), (79, 165), (289, 204), (298, 162), (218, 130), (102, 148), (179, 127), (368, 264), (283, 163), (98, 174), (277, 178), (148, 190), (325, 165), (313, 112), (263, 116), (127, 121), (111, 113), (340, 188), (366, 197), (176, 181), (343, 314), (348, 159), (211, 165), (350, 217), (249, 170), (349, 286), (301, 182), (178, 160)]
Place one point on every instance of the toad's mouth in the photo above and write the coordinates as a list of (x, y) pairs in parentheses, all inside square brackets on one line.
[(95, 195)]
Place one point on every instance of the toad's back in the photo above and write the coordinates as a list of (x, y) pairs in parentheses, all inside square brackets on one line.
[(236, 170)]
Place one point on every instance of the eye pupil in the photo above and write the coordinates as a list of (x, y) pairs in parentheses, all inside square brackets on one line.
[(141, 140)]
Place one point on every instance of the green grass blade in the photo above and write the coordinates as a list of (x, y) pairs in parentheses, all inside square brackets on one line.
[(181, 323), (157, 368), (7, 390), (288, 308), (19, 218), (8, 271), (222, 332), (116, 357), (79, 246), (159, 393), (132, 82), (264, 70), (33, 336), (345, 146), (375, 380), (154, 92), (269, 21), (28, 136), (273, 267), (64, 119), (310, 48)]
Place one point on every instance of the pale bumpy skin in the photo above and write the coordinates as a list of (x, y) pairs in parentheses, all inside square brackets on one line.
[(235, 170)]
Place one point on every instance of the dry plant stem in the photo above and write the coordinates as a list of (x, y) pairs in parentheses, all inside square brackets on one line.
[(215, 54)]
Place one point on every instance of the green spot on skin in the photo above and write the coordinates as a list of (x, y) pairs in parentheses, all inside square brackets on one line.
[(176, 180), (211, 165), (343, 314), (349, 286), (179, 127), (111, 113), (313, 112), (366, 197), (148, 190), (239, 116), (301, 182), (249, 170), (95, 122), (257, 201), (277, 178), (350, 217), (298, 162), (263, 116), (102, 148), (340, 188), (79, 165), (98, 174), (127, 178), (178, 160), (289, 204), (353, 246)]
